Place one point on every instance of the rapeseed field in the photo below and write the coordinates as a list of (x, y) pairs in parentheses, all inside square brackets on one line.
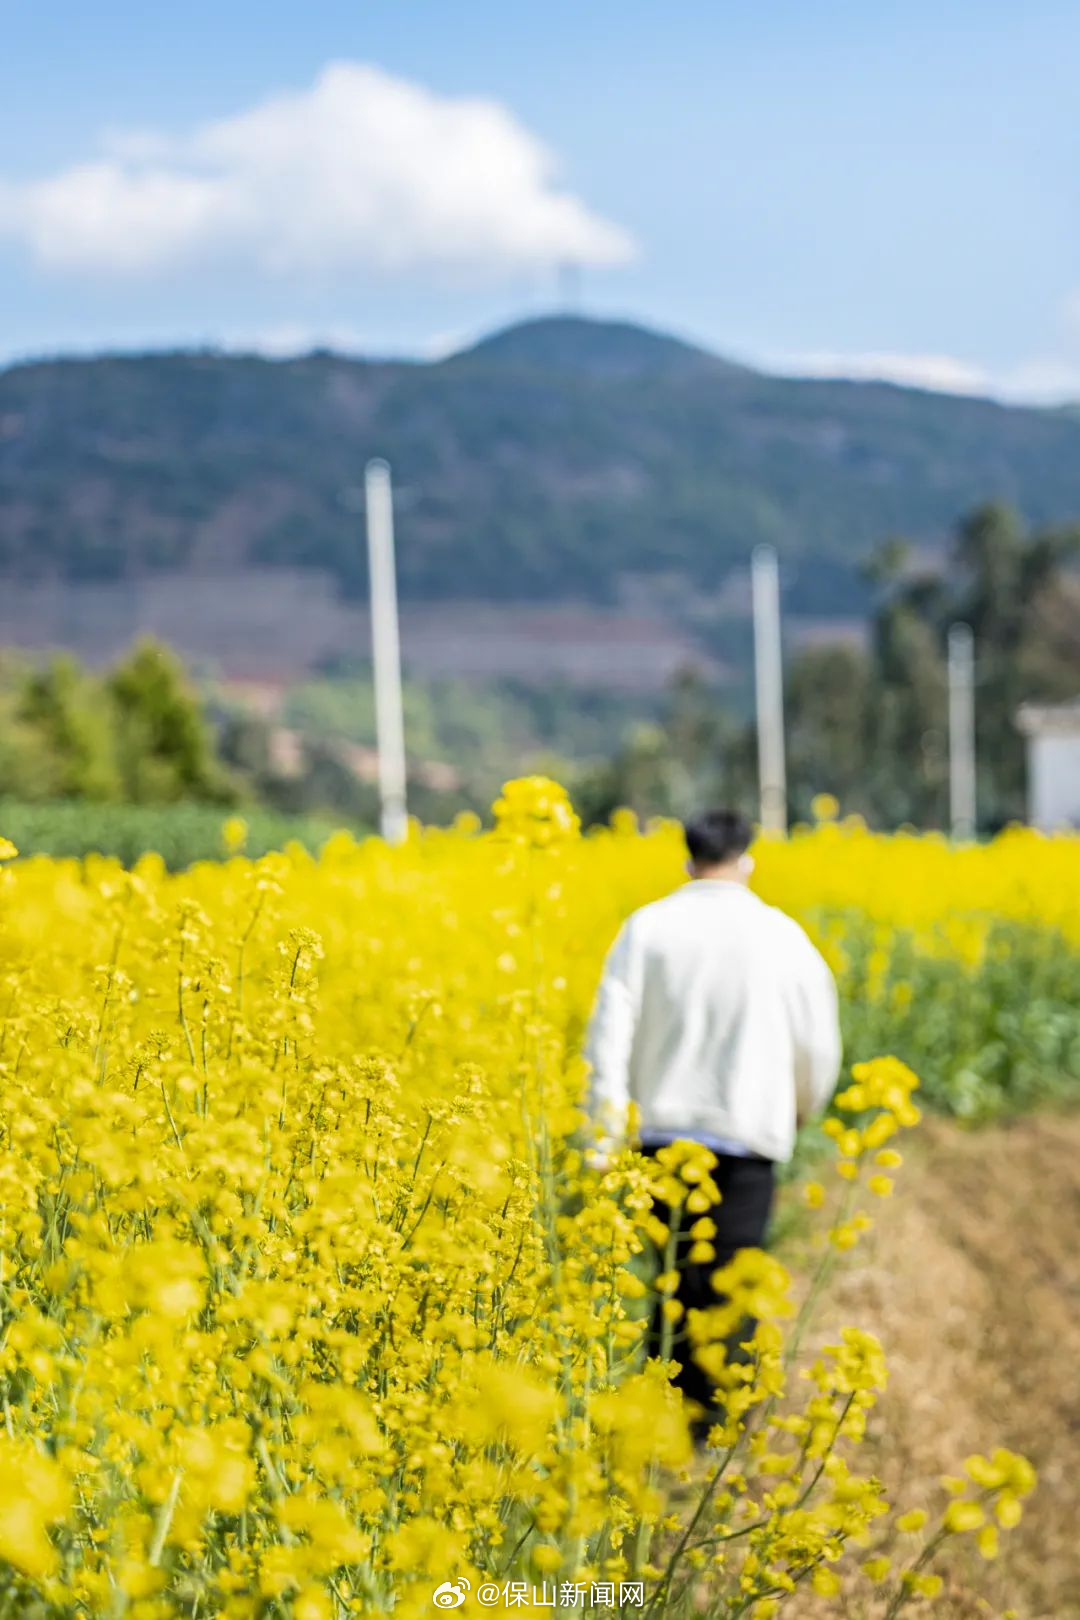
[(311, 1304)]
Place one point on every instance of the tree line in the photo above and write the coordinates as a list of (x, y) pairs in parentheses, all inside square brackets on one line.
[(867, 721), (133, 734)]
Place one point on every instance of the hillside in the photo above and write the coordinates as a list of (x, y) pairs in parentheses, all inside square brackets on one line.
[(554, 461)]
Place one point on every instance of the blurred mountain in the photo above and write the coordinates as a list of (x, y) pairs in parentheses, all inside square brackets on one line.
[(577, 346), (562, 459)]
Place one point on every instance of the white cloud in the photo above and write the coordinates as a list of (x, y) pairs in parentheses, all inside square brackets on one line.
[(942, 373), (1039, 381), (289, 339), (1052, 380), (1070, 315), (361, 171)]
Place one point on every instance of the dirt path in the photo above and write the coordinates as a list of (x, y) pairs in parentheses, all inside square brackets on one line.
[(972, 1282)]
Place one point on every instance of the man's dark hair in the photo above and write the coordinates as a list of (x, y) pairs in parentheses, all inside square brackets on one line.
[(717, 836)]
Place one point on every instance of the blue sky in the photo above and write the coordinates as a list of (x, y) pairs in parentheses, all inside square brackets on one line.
[(837, 188)]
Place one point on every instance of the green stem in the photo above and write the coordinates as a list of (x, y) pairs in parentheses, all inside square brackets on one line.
[(164, 1520)]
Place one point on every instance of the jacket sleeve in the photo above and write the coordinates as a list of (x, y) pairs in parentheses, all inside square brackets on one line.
[(815, 1024), (610, 1039)]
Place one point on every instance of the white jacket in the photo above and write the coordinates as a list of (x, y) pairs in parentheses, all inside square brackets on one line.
[(715, 1015)]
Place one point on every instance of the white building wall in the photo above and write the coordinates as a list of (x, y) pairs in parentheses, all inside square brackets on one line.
[(1054, 781)]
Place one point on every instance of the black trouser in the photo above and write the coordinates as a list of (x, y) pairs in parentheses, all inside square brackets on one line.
[(741, 1219)]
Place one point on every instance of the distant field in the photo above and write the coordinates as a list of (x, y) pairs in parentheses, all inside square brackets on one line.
[(180, 833), (253, 623)]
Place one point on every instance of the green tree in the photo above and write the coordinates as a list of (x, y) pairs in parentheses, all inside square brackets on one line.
[(828, 726), (696, 755), (1004, 579), (163, 745), (874, 731), (76, 758)]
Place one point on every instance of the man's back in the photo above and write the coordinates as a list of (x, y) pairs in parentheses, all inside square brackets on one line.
[(717, 1017)]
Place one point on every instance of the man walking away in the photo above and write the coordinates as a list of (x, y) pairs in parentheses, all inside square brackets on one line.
[(717, 1017)]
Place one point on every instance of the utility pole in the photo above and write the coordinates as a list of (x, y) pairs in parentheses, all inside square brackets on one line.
[(961, 732), (386, 652), (769, 689)]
